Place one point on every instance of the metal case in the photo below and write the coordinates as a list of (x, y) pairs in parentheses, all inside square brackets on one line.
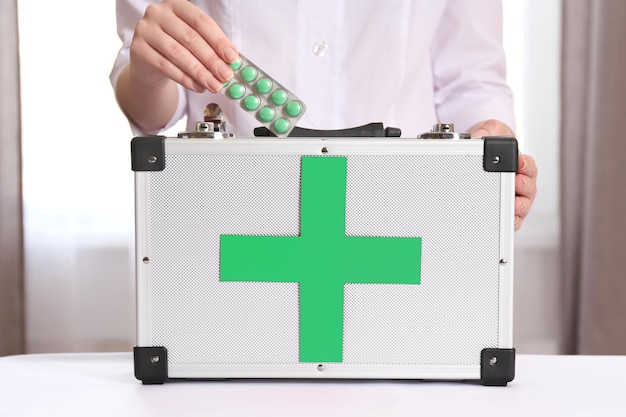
[(324, 258)]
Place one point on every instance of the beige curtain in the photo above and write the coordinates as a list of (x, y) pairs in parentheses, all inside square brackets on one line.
[(11, 248), (593, 169)]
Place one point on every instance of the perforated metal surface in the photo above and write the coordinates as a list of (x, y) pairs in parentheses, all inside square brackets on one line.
[(448, 201), (453, 205)]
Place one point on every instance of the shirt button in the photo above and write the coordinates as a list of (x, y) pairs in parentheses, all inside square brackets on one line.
[(320, 48)]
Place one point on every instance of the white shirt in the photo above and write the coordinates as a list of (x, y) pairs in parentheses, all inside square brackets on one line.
[(408, 64)]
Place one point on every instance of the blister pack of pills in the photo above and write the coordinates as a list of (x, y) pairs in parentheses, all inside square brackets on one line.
[(263, 97)]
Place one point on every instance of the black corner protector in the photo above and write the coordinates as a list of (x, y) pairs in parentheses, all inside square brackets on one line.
[(500, 154), (147, 153), (497, 366), (150, 364)]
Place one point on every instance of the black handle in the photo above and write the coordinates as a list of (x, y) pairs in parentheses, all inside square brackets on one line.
[(368, 130)]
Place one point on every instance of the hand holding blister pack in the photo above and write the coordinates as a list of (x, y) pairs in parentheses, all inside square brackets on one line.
[(263, 97)]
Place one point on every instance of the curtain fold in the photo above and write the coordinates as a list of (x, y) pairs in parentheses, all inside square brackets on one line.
[(593, 177), (11, 230)]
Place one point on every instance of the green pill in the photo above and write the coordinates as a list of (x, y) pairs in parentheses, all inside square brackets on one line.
[(281, 125), (293, 108), (279, 97), (266, 114), (236, 91), (236, 64), (248, 74), (251, 102), (264, 85)]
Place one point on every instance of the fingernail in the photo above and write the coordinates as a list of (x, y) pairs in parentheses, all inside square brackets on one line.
[(518, 223), (214, 86), (198, 88), (229, 55), (225, 72)]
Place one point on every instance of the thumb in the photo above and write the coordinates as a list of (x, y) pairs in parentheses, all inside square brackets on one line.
[(490, 127), (479, 133)]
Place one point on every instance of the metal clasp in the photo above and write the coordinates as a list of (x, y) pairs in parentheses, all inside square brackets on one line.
[(213, 126), (444, 131)]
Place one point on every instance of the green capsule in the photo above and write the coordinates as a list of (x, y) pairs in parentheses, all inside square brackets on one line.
[(279, 97), (267, 114), (251, 102), (249, 73), (281, 125), (236, 91), (264, 85), (293, 108)]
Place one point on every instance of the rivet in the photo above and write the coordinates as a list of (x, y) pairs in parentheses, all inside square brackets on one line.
[(152, 159), (320, 367), (324, 149), (503, 261), (146, 260), (155, 359), (493, 361), (496, 160)]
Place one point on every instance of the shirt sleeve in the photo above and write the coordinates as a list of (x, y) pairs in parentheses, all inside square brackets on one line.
[(128, 12), (469, 66)]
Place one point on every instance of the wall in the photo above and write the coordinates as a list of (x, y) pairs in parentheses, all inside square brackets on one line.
[(78, 196), (532, 39)]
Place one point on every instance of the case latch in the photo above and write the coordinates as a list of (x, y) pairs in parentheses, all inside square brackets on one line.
[(213, 126), (444, 131)]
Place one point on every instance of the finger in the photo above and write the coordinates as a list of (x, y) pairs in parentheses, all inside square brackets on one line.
[(526, 177), (159, 28), (525, 186), (145, 53), (527, 166), (190, 39), (165, 53), (518, 222), (522, 206), (491, 127), (206, 27)]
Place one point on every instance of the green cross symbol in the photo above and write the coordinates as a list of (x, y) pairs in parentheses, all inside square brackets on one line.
[(321, 259)]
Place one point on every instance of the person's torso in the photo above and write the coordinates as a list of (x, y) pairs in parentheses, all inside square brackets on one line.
[(351, 62)]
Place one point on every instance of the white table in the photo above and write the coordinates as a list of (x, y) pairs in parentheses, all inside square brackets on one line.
[(102, 384)]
